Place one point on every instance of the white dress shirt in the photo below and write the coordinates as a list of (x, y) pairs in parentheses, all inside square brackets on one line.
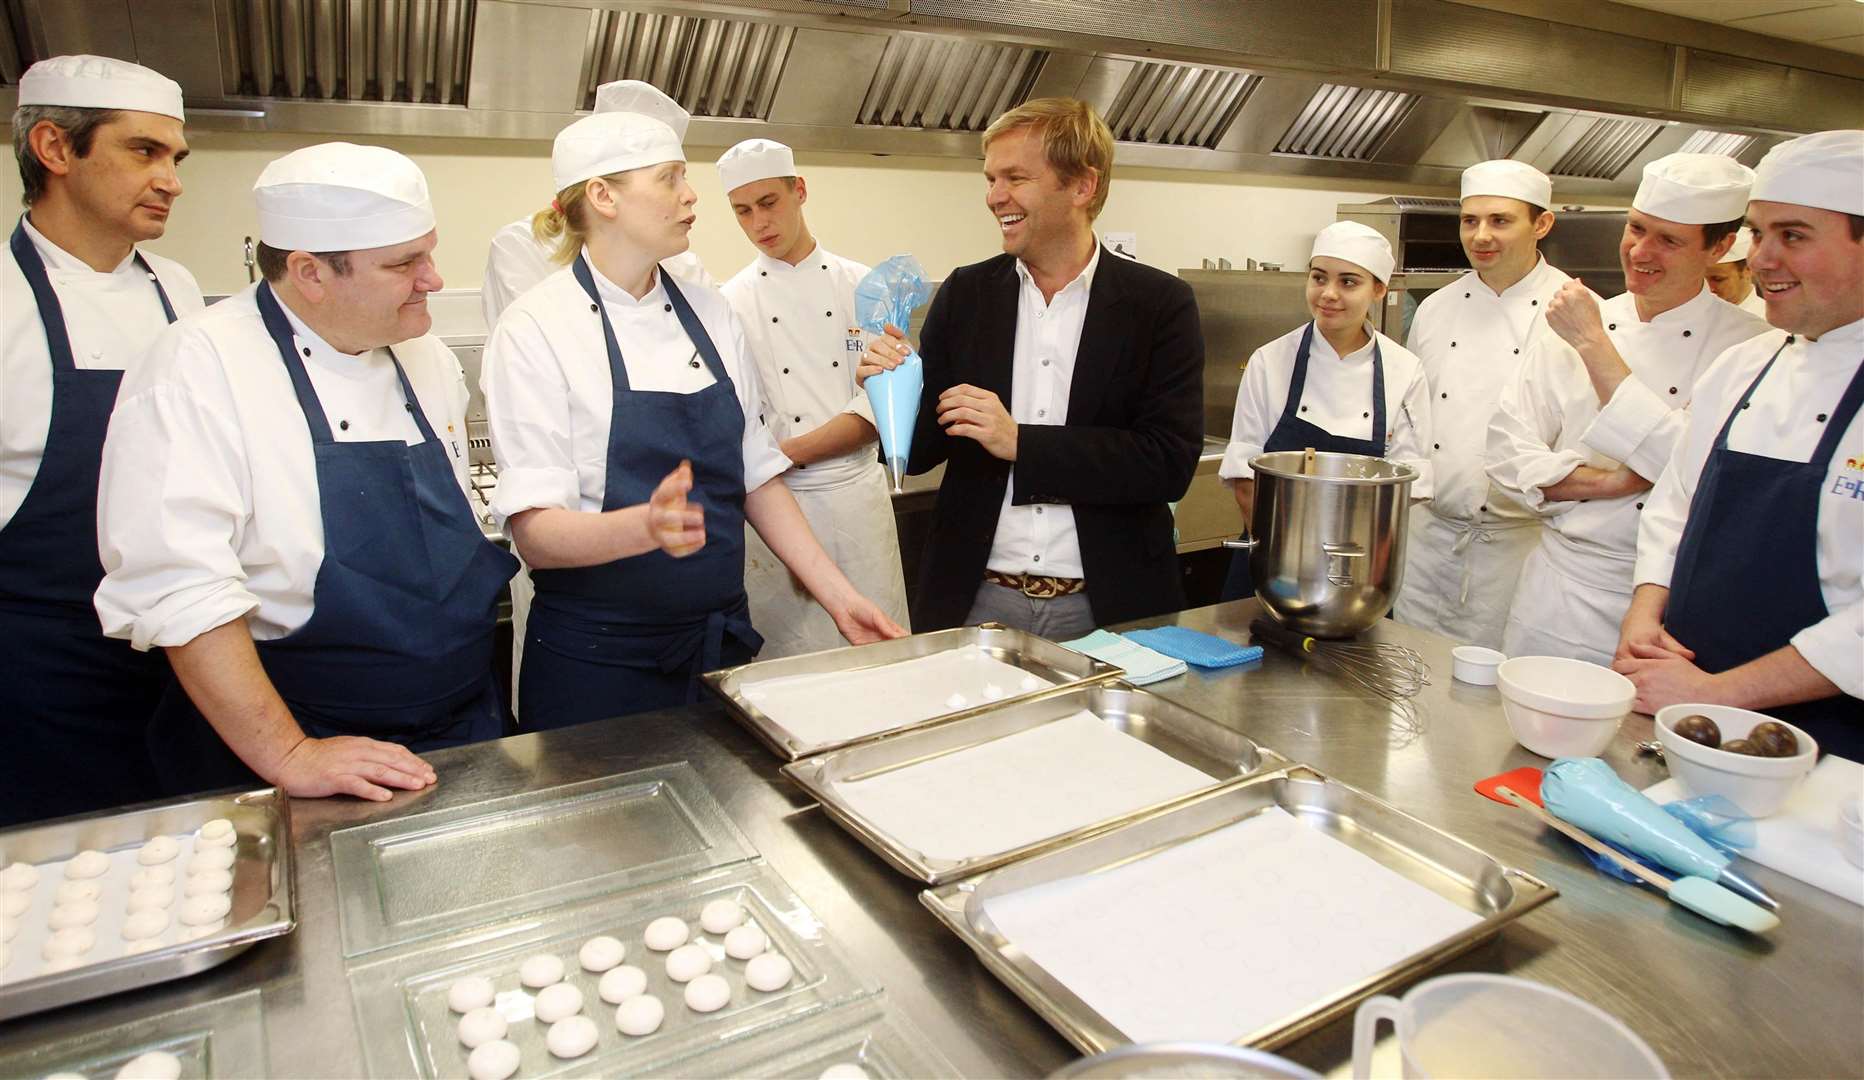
[(1550, 421), (1337, 398), (1470, 340), (111, 319), (1784, 420), (1041, 539), (549, 397), (208, 508), (798, 321), (517, 261)]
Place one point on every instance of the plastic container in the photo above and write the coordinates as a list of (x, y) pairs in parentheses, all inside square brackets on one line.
[(1559, 707), (1475, 665), (1495, 1025), (1758, 785)]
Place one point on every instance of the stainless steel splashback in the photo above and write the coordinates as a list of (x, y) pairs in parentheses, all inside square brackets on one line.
[(1240, 311)]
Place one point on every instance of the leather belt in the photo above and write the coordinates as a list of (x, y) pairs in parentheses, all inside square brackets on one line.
[(1037, 586)]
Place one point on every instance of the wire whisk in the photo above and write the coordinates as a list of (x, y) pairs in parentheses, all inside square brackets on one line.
[(1395, 673)]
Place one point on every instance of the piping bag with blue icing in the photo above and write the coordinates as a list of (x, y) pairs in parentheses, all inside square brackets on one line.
[(890, 293), (1587, 793)]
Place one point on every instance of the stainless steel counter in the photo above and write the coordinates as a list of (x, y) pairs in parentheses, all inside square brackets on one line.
[(1709, 1000)]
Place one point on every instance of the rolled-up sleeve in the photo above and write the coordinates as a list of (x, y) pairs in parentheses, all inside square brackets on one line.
[(1255, 419), (764, 461), (1834, 646), (1637, 427), (171, 501), (527, 405), (1519, 455)]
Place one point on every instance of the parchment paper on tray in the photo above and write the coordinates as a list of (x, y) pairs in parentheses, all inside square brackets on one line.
[(1215, 937), (835, 707), (1016, 790)]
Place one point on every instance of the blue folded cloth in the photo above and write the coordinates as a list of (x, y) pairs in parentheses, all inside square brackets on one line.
[(1196, 647), (1142, 665)]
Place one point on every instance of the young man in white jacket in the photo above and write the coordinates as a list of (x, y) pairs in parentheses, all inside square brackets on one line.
[(796, 302), (1466, 545), (1591, 418)]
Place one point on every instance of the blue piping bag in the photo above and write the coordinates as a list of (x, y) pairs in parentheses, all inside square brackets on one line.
[(1587, 793), (890, 293)]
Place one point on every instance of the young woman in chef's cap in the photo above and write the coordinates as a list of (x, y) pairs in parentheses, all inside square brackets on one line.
[(624, 410), (1334, 384)]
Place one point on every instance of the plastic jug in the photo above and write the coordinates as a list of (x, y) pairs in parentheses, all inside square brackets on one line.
[(1497, 1026)]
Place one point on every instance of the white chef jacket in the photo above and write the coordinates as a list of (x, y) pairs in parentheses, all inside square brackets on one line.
[(1337, 398), (1753, 304), (208, 508), (549, 397), (1470, 340), (799, 322), (1782, 421), (1549, 421), (111, 320), (517, 261), (1042, 538)]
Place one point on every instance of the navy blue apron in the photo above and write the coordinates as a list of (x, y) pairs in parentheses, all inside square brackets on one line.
[(76, 704), (1293, 433), (635, 634), (399, 643), (1747, 568)]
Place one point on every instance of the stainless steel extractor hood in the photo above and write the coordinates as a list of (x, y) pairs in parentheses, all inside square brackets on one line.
[(1402, 91)]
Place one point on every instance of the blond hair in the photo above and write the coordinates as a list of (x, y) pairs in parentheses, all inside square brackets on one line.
[(563, 226), (1075, 140)]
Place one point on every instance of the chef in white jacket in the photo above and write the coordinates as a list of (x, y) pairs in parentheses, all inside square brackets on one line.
[(1731, 279), (1464, 552), (284, 504), (98, 142), (795, 301), (1750, 565), (1589, 422), (1333, 383)]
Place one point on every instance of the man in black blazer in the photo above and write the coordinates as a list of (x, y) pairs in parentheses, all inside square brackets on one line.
[(1053, 515)]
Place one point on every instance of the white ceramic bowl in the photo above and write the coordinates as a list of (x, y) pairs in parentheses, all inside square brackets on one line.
[(1851, 831), (1475, 665), (1758, 785), (1559, 707)]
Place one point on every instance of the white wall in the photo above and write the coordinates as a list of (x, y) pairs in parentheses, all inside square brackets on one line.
[(866, 207)]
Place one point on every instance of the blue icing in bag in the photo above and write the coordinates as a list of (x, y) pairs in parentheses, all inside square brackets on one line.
[(1587, 793), (890, 293)]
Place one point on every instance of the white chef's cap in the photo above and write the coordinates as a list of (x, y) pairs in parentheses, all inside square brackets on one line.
[(1509, 179), (339, 196), (1694, 189), (635, 96), (1824, 170), (99, 82), (1744, 243), (753, 160), (636, 126), (1361, 245)]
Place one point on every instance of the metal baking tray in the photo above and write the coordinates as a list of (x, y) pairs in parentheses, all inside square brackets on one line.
[(263, 896), (1193, 738), (1037, 656), (221, 1038), (866, 1033), (1426, 855), (407, 1029), (415, 876)]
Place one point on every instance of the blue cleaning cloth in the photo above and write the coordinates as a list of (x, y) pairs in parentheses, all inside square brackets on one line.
[(1586, 792), (1142, 665), (1195, 646)]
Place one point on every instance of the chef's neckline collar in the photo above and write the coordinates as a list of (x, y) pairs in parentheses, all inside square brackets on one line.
[(1321, 349), (57, 258), (816, 257), (615, 294), (1530, 282)]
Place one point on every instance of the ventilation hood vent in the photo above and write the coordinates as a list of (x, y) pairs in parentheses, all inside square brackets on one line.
[(1726, 143), (935, 83), (1419, 204), (712, 67), (1178, 105), (1347, 123), (411, 51), (1606, 148)]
